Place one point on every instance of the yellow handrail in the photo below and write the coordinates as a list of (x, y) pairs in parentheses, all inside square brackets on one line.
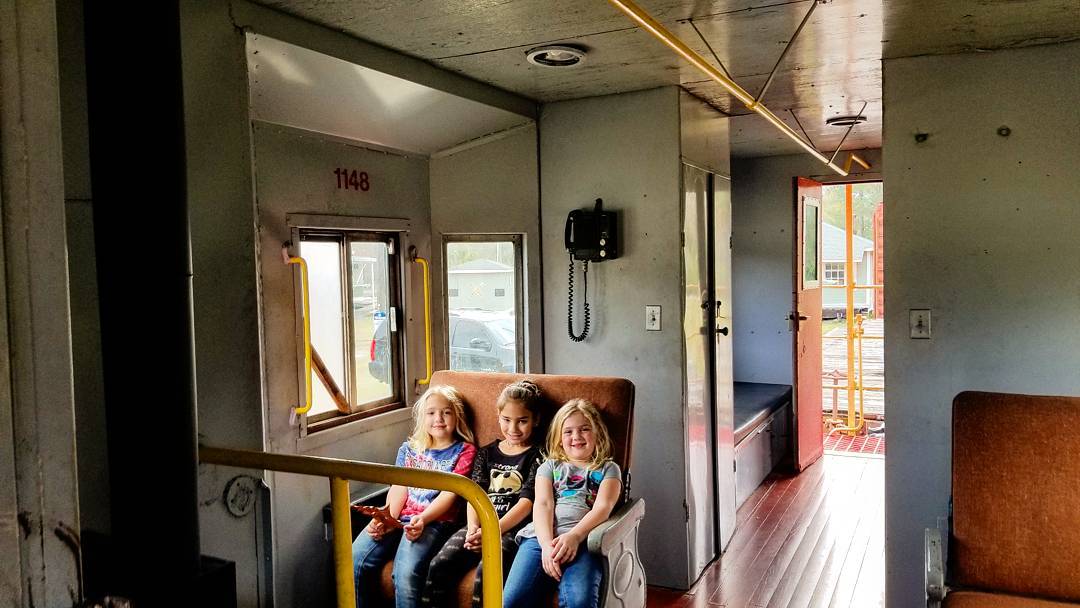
[(427, 321), (307, 333), (340, 471)]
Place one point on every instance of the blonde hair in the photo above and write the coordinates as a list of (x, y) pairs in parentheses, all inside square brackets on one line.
[(586, 408), (420, 438)]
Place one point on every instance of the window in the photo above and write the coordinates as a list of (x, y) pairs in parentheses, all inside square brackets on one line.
[(484, 303), (353, 294), (834, 273)]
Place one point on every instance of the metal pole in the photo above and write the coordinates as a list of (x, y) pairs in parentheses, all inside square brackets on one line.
[(849, 285), (342, 522), (661, 33), (846, 133), (787, 47)]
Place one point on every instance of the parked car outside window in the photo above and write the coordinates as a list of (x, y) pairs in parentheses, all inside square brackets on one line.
[(479, 341)]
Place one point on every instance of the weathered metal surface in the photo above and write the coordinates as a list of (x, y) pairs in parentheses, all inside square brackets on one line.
[(931, 27), (39, 511), (834, 62)]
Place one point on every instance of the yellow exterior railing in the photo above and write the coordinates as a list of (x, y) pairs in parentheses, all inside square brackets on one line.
[(339, 472)]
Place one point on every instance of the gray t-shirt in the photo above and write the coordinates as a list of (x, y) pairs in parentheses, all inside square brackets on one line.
[(575, 490)]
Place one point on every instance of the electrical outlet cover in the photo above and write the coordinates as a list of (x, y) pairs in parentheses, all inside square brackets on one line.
[(652, 317)]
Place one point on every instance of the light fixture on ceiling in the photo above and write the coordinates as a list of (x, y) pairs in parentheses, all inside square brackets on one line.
[(845, 121), (555, 56)]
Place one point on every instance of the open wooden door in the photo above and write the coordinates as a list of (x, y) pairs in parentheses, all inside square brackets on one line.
[(806, 322)]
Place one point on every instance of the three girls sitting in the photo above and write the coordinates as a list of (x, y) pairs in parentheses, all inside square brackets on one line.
[(575, 490)]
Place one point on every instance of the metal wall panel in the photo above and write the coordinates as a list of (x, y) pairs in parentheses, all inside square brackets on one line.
[(697, 387), (723, 393)]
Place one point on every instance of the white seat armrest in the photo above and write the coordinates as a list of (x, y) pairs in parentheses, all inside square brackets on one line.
[(934, 569), (615, 541)]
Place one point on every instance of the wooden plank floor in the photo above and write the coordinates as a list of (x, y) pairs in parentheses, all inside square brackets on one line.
[(815, 540)]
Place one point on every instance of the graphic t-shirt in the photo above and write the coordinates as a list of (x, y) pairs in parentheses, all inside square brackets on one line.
[(457, 458), (575, 489), (507, 478)]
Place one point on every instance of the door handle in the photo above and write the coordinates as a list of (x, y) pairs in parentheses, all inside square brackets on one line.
[(793, 316), (723, 330)]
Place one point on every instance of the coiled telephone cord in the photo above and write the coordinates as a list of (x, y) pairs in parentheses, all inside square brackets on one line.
[(570, 302)]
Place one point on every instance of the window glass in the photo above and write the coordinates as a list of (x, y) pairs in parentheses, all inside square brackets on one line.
[(373, 360), (327, 327), (483, 299), (353, 298)]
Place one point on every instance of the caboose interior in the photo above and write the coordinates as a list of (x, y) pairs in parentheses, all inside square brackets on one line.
[(147, 211)]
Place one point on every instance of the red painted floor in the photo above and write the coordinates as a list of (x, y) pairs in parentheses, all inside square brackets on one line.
[(860, 444), (815, 540)]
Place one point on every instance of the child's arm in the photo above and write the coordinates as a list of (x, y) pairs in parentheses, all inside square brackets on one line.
[(543, 522), (565, 546), (436, 509), (395, 502)]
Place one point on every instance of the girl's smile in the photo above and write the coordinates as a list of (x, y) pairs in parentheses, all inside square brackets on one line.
[(517, 424), (578, 438), (439, 420)]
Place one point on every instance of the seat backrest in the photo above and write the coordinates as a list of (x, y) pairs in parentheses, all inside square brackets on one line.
[(1016, 494), (614, 397)]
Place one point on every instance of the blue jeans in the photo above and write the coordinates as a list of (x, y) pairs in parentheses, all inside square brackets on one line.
[(529, 586), (411, 560)]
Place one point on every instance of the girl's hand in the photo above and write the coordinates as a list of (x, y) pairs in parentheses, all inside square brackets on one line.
[(472, 539), (414, 528), (551, 567), (564, 547), (375, 529)]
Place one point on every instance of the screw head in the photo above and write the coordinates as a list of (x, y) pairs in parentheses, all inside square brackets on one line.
[(1004, 131)]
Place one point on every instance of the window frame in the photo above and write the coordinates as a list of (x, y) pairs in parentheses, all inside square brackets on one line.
[(833, 281), (518, 240), (346, 230)]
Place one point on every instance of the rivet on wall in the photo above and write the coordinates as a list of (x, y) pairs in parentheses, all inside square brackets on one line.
[(921, 137), (1004, 131)]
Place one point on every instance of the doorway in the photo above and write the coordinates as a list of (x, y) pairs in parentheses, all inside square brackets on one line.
[(853, 318)]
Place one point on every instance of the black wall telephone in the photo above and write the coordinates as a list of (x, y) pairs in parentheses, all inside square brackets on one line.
[(590, 236)]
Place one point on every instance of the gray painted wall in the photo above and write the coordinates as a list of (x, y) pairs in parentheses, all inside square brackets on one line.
[(761, 217), (493, 188), (294, 174), (625, 149), (222, 217), (982, 230)]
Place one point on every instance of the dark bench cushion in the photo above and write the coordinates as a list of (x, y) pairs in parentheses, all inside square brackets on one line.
[(755, 402)]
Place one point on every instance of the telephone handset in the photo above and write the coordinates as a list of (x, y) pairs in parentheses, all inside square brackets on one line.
[(589, 236)]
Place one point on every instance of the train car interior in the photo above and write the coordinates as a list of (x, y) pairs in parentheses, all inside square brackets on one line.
[(241, 238)]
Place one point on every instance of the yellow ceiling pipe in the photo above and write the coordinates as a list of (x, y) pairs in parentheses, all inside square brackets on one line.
[(661, 33)]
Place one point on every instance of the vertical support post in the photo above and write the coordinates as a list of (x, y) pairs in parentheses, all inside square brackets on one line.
[(143, 246), (849, 290), (342, 522)]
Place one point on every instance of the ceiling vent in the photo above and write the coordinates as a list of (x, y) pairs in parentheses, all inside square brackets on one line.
[(845, 121), (555, 56)]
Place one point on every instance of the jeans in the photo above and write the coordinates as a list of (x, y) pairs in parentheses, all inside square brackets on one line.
[(451, 563), (530, 586), (411, 560)]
